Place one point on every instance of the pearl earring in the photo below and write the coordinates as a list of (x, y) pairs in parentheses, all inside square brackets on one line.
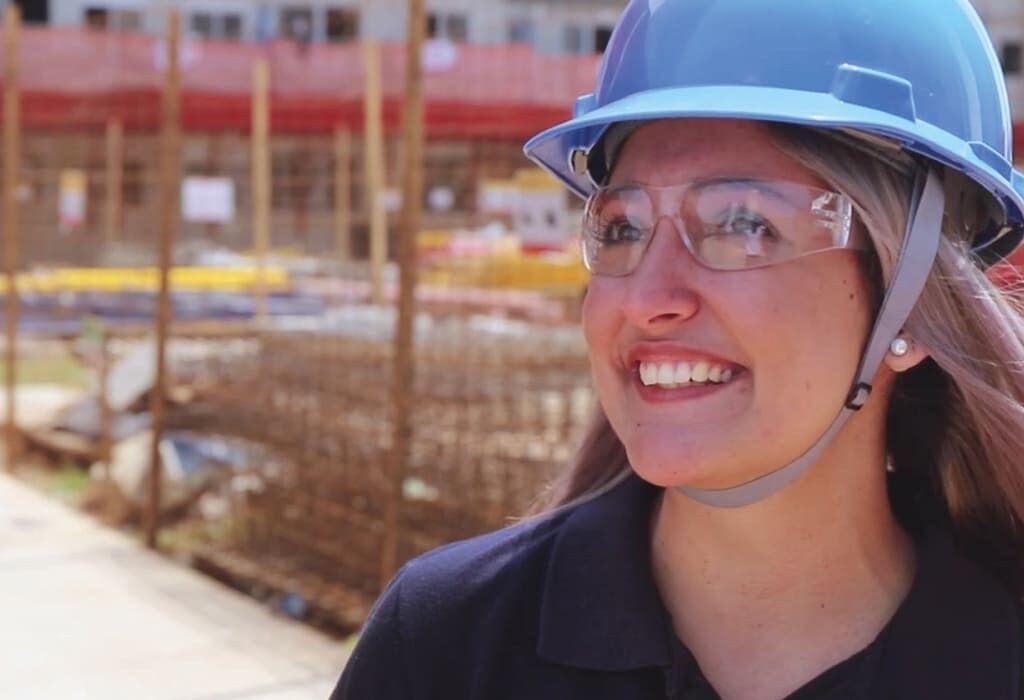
[(899, 347)]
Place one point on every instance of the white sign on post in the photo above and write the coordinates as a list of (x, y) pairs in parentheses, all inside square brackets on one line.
[(208, 200), (542, 217), (391, 200), (71, 201), (439, 55)]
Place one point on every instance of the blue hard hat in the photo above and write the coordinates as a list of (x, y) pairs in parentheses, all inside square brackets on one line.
[(920, 72)]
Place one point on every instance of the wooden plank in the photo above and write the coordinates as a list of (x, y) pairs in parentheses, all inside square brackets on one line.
[(63, 444)]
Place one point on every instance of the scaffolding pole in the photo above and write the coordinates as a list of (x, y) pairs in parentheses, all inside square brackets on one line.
[(114, 179), (170, 196), (261, 179), (343, 194), (12, 182), (374, 165), (412, 212)]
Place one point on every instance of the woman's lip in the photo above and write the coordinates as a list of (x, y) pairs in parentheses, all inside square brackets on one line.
[(660, 394), (674, 352)]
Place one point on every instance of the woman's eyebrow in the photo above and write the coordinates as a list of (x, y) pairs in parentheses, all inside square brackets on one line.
[(767, 187)]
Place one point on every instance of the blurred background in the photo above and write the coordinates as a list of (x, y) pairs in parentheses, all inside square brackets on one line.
[(204, 221)]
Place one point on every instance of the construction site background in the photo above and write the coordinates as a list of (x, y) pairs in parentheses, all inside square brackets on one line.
[(294, 466), (276, 432)]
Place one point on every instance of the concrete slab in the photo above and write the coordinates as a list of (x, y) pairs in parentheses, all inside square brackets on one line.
[(87, 612)]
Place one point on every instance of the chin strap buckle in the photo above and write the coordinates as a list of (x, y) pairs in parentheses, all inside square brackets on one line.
[(858, 396)]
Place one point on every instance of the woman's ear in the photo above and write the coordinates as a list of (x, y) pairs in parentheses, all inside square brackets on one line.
[(904, 354)]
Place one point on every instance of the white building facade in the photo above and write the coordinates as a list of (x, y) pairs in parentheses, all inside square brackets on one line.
[(553, 26)]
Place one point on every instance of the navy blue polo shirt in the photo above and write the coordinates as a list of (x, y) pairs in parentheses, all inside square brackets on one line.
[(565, 606)]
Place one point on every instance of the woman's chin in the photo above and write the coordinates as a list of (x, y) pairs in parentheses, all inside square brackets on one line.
[(696, 471), (668, 470)]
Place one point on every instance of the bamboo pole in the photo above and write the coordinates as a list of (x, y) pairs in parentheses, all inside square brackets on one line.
[(412, 205), (11, 183), (115, 179), (261, 178), (343, 193), (170, 190), (373, 161)]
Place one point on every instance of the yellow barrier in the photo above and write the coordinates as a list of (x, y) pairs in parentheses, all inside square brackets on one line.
[(145, 279), (510, 271)]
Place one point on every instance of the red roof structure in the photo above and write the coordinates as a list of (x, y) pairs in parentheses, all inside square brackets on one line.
[(73, 77)]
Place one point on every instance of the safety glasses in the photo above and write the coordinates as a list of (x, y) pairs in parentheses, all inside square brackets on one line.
[(727, 223)]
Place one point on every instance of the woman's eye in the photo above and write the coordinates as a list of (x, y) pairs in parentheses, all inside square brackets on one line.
[(619, 230), (740, 221)]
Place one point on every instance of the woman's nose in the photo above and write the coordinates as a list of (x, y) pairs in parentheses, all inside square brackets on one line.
[(660, 293)]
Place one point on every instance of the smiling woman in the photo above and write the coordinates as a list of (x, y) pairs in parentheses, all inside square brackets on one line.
[(788, 326), (804, 477)]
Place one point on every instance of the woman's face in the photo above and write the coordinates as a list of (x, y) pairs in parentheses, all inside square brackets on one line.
[(790, 335)]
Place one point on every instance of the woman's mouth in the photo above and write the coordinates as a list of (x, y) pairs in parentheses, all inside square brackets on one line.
[(676, 375)]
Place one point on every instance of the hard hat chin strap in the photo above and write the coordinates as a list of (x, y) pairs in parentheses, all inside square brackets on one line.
[(920, 246)]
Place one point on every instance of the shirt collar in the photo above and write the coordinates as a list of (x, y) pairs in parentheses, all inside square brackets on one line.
[(601, 609)]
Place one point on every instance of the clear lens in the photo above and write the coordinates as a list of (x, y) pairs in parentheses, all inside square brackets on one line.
[(616, 230), (726, 223)]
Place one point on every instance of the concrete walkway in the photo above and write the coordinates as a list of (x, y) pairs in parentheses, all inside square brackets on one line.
[(86, 612)]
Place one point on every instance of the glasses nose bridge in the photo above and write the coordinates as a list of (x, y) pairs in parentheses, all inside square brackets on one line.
[(667, 201), (667, 204)]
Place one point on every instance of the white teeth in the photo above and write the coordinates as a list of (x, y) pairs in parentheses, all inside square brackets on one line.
[(682, 373), (700, 372), (675, 374)]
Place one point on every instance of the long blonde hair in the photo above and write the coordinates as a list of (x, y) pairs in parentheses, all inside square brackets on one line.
[(955, 424)]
